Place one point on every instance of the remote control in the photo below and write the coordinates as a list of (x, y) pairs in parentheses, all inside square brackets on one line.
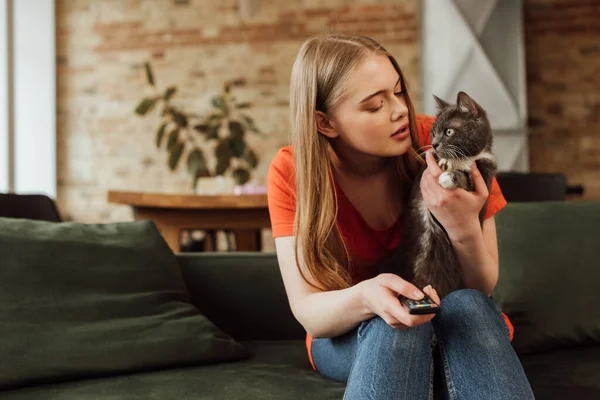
[(424, 306)]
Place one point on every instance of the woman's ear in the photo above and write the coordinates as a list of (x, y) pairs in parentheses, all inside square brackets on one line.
[(324, 125)]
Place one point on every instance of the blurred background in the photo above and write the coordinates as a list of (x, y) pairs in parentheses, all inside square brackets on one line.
[(161, 96)]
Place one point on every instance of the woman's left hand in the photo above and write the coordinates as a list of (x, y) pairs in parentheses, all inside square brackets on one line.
[(456, 209)]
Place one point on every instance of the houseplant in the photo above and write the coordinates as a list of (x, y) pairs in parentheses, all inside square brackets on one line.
[(187, 135)]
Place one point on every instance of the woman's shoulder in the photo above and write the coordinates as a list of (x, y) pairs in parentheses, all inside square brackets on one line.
[(282, 167), (423, 118), (424, 121), (424, 124), (283, 160)]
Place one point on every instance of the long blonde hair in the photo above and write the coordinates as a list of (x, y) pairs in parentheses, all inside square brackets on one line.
[(322, 68)]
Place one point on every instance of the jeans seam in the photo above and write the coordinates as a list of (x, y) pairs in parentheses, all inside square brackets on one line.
[(434, 340), (358, 340), (362, 327), (359, 334), (449, 383)]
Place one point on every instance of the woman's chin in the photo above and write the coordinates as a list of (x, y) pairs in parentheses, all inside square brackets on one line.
[(398, 148)]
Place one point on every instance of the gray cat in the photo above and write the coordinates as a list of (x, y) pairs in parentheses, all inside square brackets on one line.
[(460, 135)]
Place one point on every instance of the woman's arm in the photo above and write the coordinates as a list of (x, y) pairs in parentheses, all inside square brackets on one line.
[(477, 253), (332, 313), (322, 314)]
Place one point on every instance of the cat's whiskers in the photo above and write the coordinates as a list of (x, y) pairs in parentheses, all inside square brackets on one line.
[(457, 150), (423, 149)]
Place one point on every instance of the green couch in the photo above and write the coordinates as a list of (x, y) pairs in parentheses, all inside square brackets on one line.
[(550, 259)]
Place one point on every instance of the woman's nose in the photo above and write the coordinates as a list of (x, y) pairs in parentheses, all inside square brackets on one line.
[(400, 110)]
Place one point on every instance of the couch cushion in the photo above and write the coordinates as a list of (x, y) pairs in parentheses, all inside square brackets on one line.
[(549, 257), (280, 370), (81, 300), (564, 374), (250, 306), (276, 370)]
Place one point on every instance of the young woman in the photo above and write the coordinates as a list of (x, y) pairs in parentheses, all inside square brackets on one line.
[(336, 206)]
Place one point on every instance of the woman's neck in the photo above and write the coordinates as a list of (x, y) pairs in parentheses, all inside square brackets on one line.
[(355, 164)]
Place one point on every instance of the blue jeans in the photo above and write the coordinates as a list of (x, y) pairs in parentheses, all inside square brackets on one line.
[(380, 362)]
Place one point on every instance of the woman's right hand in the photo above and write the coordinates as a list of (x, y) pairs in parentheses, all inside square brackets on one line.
[(380, 295)]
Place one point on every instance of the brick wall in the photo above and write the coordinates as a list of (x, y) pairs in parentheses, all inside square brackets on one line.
[(563, 89), (101, 48)]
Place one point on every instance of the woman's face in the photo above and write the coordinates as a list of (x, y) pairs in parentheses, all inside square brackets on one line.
[(372, 117)]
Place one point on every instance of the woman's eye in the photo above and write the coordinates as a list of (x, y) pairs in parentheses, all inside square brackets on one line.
[(449, 132), (398, 93), (376, 108)]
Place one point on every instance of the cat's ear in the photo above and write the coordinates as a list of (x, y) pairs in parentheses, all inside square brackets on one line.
[(441, 104), (467, 104)]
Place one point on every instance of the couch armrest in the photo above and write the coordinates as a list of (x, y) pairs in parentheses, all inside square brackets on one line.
[(242, 293)]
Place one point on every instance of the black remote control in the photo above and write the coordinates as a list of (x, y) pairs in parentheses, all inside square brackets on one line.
[(424, 306)]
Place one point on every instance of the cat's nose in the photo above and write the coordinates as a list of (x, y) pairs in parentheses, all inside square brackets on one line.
[(435, 146)]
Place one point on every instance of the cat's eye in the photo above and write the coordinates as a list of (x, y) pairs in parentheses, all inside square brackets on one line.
[(449, 132)]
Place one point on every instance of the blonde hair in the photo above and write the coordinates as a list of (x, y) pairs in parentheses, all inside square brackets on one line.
[(320, 74)]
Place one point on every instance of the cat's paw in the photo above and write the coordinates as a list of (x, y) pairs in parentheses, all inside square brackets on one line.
[(446, 180), (443, 163)]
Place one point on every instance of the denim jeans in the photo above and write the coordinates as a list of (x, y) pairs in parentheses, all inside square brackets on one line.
[(379, 362)]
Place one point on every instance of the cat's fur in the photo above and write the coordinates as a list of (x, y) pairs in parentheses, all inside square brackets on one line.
[(431, 257)]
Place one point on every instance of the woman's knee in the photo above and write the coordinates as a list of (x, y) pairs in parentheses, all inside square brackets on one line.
[(467, 300), (470, 310), (385, 337)]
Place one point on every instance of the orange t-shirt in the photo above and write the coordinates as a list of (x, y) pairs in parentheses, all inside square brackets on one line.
[(366, 244)]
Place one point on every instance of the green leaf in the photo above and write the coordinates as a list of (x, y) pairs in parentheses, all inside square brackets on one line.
[(213, 132), (223, 149), (223, 154), (160, 134), (173, 138), (236, 130), (179, 118), (202, 128), (149, 74), (170, 92), (241, 175), (251, 158), (175, 155), (222, 166), (196, 164), (215, 118), (243, 105), (145, 105), (250, 123), (237, 146), (219, 102)]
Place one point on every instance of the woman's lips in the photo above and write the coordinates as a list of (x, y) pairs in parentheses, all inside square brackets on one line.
[(402, 133)]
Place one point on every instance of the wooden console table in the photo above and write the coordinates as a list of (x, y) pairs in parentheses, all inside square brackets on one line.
[(246, 215)]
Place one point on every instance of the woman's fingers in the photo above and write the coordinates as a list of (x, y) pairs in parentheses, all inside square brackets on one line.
[(431, 292), (401, 286), (432, 165), (397, 315), (408, 321)]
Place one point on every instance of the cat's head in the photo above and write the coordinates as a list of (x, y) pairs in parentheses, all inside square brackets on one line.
[(460, 130)]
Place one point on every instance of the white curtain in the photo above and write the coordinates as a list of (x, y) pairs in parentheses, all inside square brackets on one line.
[(29, 98)]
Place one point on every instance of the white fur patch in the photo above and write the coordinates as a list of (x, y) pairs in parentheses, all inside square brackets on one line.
[(446, 180)]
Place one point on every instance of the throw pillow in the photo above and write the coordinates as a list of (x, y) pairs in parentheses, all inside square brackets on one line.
[(82, 300), (549, 256)]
